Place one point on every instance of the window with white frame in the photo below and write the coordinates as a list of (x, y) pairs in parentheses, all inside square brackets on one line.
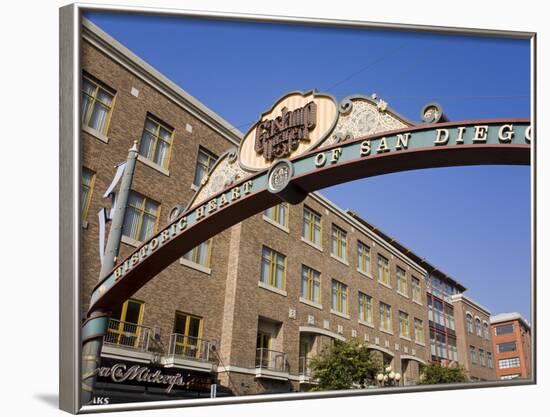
[(486, 330), (339, 242), (141, 217), (418, 331), (200, 254), (383, 270), (311, 284), (339, 301), (363, 258), (156, 141), (278, 213), (402, 286), (273, 271), (489, 359), (385, 317), (478, 327), (469, 323), (481, 357), (365, 308), (97, 104), (416, 290), (404, 325), (473, 355), (205, 162), (311, 226)]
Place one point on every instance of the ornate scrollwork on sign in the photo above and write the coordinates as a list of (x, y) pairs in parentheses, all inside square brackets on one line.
[(345, 106), (366, 116)]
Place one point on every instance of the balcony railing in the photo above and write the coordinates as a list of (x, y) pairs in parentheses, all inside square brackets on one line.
[(304, 366), (128, 335), (271, 360), (188, 347)]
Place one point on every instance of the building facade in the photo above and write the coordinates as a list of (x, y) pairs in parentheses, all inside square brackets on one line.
[(512, 346), (475, 346), (250, 307)]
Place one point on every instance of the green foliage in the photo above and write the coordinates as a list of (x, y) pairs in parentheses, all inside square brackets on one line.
[(434, 373), (345, 365)]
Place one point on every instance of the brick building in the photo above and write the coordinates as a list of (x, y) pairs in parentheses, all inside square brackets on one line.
[(250, 307), (475, 347), (512, 346)]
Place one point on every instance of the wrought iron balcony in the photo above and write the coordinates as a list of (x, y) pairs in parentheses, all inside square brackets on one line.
[(127, 335), (271, 360), (193, 348)]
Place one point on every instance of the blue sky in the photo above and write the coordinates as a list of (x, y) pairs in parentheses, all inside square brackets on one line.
[(471, 222)]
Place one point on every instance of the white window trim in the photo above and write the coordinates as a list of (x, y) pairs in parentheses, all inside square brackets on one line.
[(402, 294), (311, 303), (272, 289), (408, 338), (385, 285), (153, 165), (274, 223), (337, 313), (417, 302), (312, 244), (341, 260), (366, 323), (196, 266), (129, 241), (194, 187), (386, 331), (420, 343), (96, 134), (364, 273)]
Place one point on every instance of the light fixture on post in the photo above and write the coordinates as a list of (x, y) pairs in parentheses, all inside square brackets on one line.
[(388, 378)]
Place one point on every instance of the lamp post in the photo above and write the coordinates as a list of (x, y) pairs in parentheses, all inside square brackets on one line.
[(388, 378)]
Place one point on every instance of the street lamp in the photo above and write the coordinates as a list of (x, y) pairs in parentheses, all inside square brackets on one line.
[(388, 378)]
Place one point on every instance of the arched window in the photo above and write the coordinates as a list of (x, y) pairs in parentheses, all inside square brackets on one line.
[(478, 326), (469, 323), (486, 330)]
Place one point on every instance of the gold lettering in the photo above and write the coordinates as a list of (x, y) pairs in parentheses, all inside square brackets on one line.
[(402, 141), (365, 148), (335, 155), (212, 205), (506, 133), (201, 212), (320, 160), (528, 133), (235, 193), (441, 137), (247, 187), (223, 200), (182, 223), (480, 134), (460, 138), (383, 146)]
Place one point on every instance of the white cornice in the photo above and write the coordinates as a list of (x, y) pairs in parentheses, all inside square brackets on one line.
[(463, 298), (123, 56), (502, 317)]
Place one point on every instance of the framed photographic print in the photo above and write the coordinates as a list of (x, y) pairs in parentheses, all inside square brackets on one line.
[(259, 208)]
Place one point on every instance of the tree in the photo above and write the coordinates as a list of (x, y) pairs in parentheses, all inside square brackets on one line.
[(345, 365), (434, 373)]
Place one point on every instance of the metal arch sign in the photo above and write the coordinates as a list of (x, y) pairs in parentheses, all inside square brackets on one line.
[(367, 139)]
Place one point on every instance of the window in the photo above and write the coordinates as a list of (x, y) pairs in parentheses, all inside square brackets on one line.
[(187, 334), (125, 324), (311, 284), (383, 270), (478, 327), (504, 329), (273, 268), (506, 347), (450, 320), (453, 351), (486, 330), (86, 190), (469, 323), (205, 162), (404, 328), (402, 281), (416, 291), (365, 308), (385, 317), (311, 227), (363, 258), (339, 297), (200, 254), (508, 363), (473, 355), (490, 360), (418, 331), (481, 357), (339, 242), (278, 213), (511, 376), (141, 217), (156, 141), (97, 104), (263, 345)]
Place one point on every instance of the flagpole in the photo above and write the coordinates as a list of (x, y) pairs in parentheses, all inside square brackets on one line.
[(95, 326)]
